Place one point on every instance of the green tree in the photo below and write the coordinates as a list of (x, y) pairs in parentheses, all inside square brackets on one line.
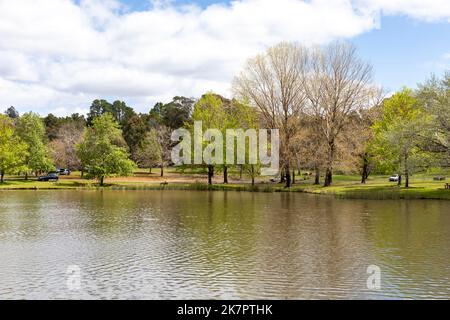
[(165, 118), (31, 130), (97, 109), (148, 153), (77, 119), (399, 132), (134, 133), (102, 151), (52, 125), (12, 113), (434, 95), (222, 114), (240, 115), (118, 109), (211, 111), (13, 151), (174, 114), (121, 112)]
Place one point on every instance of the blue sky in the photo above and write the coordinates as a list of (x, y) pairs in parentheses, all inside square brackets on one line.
[(404, 51), (56, 56)]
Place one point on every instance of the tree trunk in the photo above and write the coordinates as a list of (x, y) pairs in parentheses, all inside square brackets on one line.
[(82, 174), (399, 180), (328, 177), (2, 175), (241, 171), (210, 174), (365, 171), (287, 155), (298, 167), (283, 176), (293, 176), (102, 179), (317, 179), (225, 174), (253, 175), (150, 170), (406, 172), (363, 176), (288, 176), (162, 170), (26, 176), (329, 170)]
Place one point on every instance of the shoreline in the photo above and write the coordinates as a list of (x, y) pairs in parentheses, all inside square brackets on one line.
[(366, 192)]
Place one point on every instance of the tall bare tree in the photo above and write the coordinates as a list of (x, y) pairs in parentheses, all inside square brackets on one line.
[(337, 83), (311, 145), (272, 83), (165, 143), (64, 146)]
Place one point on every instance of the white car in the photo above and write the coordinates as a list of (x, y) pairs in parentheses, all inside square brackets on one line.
[(394, 178)]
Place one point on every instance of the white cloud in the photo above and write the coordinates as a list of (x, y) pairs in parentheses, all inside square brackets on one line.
[(57, 56), (428, 10)]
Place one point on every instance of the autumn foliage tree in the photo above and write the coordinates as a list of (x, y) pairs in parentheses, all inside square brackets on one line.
[(63, 147)]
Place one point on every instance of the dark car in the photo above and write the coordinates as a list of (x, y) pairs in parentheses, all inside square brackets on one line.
[(49, 177)]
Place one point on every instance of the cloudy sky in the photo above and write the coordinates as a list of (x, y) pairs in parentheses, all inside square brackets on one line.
[(58, 55)]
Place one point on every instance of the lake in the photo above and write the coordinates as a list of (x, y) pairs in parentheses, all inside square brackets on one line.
[(219, 245)]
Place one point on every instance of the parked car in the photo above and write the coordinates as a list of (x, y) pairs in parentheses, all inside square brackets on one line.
[(394, 178), (64, 172), (49, 177)]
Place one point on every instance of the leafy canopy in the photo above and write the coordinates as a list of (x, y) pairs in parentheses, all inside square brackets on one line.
[(12, 149), (31, 130), (399, 132), (102, 150)]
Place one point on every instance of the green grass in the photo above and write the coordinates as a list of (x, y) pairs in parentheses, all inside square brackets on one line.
[(422, 186), (394, 194), (419, 191), (378, 188), (36, 185)]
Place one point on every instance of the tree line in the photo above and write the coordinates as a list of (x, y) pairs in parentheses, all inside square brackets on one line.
[(111, 140), (323, 100), (330, 113)]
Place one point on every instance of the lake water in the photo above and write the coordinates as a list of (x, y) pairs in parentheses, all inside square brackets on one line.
[(218, 245)]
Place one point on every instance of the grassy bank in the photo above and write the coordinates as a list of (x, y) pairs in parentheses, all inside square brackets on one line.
[(344, 186), (420, 191)]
